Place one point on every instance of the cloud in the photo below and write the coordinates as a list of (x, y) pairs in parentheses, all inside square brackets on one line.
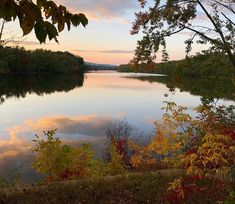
[(26, 42), (73, 130), (16, 152), (108, 51), (14, 145), (83, 126), (103, 9)]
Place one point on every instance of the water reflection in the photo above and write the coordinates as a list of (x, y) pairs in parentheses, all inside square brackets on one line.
[(82, 114), (208, 88), (18, 86), (16, 151)]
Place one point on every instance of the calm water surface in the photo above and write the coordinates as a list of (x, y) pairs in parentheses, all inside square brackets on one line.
[(80, 111)]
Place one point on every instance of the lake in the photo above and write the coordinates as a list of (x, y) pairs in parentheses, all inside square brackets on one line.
[(82, 108)]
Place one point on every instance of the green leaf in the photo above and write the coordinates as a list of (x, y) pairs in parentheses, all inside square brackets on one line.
[(51, 31), (61, 23), (52, 5), (28, 10), (68, 19), (83, 19), (41, 3), (68, 24), (40, 32), (37, 11), (75, 19), (27, 25), (48, 13), (8, 10)]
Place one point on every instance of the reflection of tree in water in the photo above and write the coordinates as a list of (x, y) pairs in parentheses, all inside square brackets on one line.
[(208, 88), (19, 86)]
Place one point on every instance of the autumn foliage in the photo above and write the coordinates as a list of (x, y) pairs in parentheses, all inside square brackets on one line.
[(202, 144)]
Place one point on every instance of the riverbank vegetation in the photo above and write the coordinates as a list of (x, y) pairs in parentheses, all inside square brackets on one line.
[(201, 65), (201, 148), (20, 61), (190, 157)]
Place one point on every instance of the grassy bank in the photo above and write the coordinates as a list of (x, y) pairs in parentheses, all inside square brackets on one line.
[(135, 188), (132, 188)]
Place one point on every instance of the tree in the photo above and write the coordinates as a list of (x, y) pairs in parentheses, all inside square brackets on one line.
[(167, 18), (44, 17)]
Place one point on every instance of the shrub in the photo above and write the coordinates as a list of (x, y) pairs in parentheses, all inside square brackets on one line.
[(61, 162), (117, 152)]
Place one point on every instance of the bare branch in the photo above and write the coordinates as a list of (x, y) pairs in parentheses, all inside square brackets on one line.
[(229, 7), (228, 19)]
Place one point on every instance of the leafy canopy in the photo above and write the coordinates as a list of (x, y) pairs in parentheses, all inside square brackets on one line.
[(44, 17), (167, 18)]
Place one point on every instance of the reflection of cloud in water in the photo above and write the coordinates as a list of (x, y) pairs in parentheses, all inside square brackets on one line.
[(73, 130), (17, 150), (91, 125), (14, 145)]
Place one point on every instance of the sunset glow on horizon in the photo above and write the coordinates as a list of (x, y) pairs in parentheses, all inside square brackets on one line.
[(106, 39)]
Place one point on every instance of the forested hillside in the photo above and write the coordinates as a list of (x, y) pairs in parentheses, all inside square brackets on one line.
[(19, 60), (199, 65)]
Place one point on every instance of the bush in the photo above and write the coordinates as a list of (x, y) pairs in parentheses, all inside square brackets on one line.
[(61, 162)]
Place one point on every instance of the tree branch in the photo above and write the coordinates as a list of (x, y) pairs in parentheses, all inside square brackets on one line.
[(213, 22), (228, 19), (169, 34), (203, 35), (225, 6)]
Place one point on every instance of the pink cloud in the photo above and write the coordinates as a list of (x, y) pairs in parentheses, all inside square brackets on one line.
[(103, 9)]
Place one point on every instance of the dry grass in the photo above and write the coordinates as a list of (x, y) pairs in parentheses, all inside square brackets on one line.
[(132, 188)]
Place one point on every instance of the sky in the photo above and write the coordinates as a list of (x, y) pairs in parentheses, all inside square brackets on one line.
[(106, 39)]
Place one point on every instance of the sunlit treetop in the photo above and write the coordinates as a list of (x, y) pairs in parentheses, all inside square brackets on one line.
[(43, 16), (165, 18)]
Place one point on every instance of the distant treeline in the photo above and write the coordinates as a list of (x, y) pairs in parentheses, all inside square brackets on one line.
[(97, 67), (19, 60), (199, 65)]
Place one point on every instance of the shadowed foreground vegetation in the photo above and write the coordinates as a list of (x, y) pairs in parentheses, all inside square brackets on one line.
[(132, 188), (188, 160)]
